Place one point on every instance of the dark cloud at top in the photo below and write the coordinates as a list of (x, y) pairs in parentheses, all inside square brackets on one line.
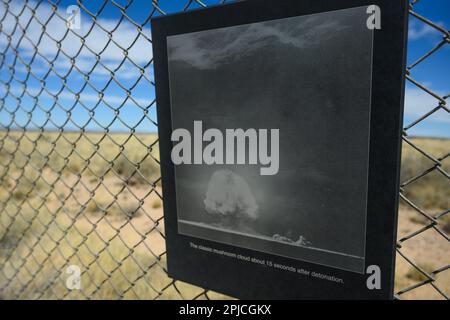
[(207, 49)]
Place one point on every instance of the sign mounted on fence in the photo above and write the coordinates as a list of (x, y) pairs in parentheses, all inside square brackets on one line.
[(280, 128)]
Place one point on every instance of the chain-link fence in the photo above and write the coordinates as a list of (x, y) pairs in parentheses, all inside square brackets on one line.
[(80, 187)]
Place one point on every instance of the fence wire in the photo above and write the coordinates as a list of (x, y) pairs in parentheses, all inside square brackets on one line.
[(80, 184)]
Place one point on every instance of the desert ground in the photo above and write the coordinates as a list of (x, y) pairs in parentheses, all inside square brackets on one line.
[(94, 200)]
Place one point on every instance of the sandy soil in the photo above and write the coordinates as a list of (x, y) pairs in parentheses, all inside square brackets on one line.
[(429, 249)]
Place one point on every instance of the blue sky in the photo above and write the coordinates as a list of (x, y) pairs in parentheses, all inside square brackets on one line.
[(37, 107)]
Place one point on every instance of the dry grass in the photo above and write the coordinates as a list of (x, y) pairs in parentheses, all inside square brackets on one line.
[(132, 158), (156, 204), (83, 199), (107, 273), (431, 191), (415, 275), (116, 243), (86, 200)]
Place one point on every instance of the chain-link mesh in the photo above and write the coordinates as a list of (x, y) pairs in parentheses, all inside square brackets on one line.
[(424, 247), (80, 182)]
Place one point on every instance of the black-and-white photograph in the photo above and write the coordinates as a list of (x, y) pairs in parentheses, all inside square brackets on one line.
[(300, 193)]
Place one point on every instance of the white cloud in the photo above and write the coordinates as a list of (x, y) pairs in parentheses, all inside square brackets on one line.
[(86, 98), (207, 49), (419, 30), (98, 40), (418, 103)]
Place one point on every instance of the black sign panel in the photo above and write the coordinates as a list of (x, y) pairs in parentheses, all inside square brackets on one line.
[(280, 130)]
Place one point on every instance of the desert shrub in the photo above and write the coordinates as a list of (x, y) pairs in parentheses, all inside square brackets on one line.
[(18, 194), (94, 206), (19, 224), (25, 183), (416, 275), (56, 162), (431, 191), (5, 157), (157, 203), (446, 224), (136, 171), (74, 166), (117, 211), (5, 186), (419, 219), (124, 211), (149, 168), (11, 230)]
